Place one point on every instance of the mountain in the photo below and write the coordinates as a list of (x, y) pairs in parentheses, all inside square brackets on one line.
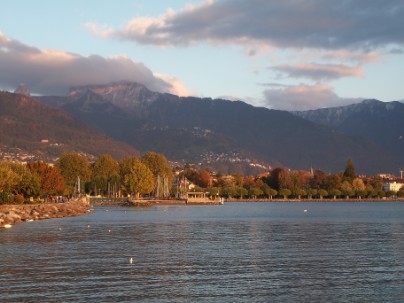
[(30, 127), (380, 122), (191, 129)]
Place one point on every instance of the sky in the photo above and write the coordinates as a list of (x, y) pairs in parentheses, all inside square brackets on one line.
[(289, 54)]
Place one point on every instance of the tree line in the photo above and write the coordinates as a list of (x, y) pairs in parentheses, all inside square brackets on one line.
[(74, 174), (284, 184)]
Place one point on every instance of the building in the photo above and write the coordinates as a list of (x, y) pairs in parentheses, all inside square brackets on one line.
[(392, 186)]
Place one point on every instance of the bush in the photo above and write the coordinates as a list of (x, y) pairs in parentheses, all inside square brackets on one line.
[(19, 199), (6, 198)]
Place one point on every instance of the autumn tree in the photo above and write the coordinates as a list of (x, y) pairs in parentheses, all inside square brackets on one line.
[(105, 175), (346, 189), (158, 164), (359, 187), (332, 181), (203, 178), (137, 177), (28, 184), (318, 179), (51, 182), (8, 178), (296, 182), (72, 167)]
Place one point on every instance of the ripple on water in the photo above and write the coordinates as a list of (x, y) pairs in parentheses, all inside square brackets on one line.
[(232, 253)]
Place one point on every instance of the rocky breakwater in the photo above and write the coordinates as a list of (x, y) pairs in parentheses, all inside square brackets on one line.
[(12, 214)]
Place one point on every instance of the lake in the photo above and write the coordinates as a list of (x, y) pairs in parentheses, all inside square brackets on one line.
[(236, 252)]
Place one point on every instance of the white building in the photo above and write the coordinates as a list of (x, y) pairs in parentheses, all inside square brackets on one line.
[(392, 186)]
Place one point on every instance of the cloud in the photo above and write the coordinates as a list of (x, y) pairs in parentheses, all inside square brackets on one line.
[(53, 71), (318, 72), (354, 57), (349, 24), (304, 97), (177, 87)]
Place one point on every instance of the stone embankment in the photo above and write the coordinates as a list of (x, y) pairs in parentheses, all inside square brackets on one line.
[(12, 214)]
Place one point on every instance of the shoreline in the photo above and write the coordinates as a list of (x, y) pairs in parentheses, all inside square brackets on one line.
[(156, 202), (317, 200), (11, 214)]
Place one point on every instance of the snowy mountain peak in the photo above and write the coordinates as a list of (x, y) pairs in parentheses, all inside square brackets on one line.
[(123, 94)]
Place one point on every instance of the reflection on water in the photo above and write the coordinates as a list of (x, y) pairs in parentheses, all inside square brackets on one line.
[(240, 252)]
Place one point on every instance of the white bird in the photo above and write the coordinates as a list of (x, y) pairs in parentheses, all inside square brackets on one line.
[(131, 260), (7, 225), (305, 210)]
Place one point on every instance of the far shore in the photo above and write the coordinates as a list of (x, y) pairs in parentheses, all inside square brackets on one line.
[(151, 202), (318, 200)]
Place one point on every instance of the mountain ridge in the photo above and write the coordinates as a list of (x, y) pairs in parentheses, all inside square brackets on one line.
[(168, 124), (47, 132), (381, 122)]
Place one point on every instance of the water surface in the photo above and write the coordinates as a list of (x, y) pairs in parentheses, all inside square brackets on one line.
[(237, 252)]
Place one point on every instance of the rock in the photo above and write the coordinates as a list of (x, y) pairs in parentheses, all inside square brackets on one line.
[(11, 214)]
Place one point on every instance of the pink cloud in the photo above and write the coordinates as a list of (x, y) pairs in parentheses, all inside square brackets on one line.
[(317, 71), (54, 71), (304, 97)]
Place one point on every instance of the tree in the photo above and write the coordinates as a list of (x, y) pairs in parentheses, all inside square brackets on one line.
[(229, 191), (255, 192), (105, 174), (50, 179), (350, 172), (241, 192), (334, 193), (318, 179), (299, 193), (213, 191), (8, 178), (322, 193), (346, 189), (158, 164), (72, 167), (272, 193), (359, 187), (266, 190), (296, 181), (138, 178), (285, 193), (276, 178), (312, 193), (203, 178), (332, 182), (28, 184)]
